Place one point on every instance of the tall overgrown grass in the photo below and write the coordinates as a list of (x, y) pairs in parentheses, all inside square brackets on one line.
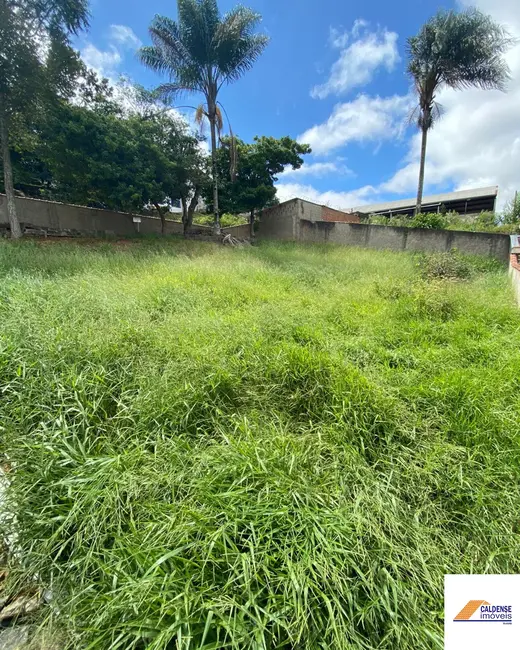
[(280, 447)]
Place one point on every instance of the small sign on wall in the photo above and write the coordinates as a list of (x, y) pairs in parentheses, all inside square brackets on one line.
[(136, 219)]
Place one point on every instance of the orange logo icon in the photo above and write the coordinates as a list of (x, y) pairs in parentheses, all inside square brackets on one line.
[(469, 609)]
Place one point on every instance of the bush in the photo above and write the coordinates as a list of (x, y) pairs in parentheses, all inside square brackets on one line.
[(455, 266), (507, 223), (511, 216), (226, 219), (422, 220), (486, 221), (445, 266), (434, 220)]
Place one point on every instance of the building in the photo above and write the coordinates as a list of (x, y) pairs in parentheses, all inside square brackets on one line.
[(466, 203), (284, 217)]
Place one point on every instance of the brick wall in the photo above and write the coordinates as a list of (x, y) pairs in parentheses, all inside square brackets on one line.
[(328, 214), (514, 272)]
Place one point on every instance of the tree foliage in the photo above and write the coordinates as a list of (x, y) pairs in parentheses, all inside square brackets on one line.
[(511, 216), (35, 58), (258, 166), (100, 151)]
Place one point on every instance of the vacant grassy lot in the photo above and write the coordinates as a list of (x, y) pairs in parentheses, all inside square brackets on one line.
[(279, 447)]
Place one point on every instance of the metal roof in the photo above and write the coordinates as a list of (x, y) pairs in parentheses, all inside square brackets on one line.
[(434, 199)]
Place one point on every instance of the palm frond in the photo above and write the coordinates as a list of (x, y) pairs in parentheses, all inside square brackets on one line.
[(169, 91), (231, 143), (244, 56), (166, 36), (200, 115), (233, 155), (199, 21), (236, 46), (460, 50), (152, 58)]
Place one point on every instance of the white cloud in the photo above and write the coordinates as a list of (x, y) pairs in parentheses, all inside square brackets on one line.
[(107, 63), (358, 62), (104, 62), (124, 36), (477, 141), (339, 200), (319, 169), (339, 38), (361, 120), (475, 144)]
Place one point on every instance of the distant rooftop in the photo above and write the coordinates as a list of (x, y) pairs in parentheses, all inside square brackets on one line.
[(463, 202)]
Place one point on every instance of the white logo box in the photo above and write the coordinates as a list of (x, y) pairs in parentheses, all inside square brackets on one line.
[(482, 612)]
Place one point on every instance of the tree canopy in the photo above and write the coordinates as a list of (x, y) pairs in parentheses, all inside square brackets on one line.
[(126, 154), (258, 166), (35, 56)]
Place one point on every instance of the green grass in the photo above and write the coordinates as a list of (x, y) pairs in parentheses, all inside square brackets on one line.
[(275, 447)]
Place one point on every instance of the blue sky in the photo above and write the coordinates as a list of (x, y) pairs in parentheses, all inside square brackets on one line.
[(334, 75)]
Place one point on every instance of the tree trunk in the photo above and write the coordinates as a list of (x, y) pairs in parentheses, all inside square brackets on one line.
[(252, 224), (163, 218), (185, 221), (213, 128), (191, 207), (16, 231), (418, 205)]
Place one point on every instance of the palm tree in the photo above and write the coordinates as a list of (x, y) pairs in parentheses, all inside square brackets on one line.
[(33, 33), (455, 50), (201, 52)]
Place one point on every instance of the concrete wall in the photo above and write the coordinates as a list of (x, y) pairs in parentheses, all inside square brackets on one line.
[(283, 221), (280, 222), (299, 220), (409, 239), (90, 221), (238, 232)]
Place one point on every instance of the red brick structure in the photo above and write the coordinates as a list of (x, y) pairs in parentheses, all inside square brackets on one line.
[(329, 214), (514, 265)]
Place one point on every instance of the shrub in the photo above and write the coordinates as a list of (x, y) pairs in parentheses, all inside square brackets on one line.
[(226, 220), (507, 223), (445, 266), (486, 221), (434, 220), (455, 266), (511, 214)]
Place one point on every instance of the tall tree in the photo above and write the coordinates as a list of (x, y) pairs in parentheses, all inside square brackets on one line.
[(33, 46), (124, 151), (201, 52), (33, 133), (258, 166), (181, 169), (455, 50)]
